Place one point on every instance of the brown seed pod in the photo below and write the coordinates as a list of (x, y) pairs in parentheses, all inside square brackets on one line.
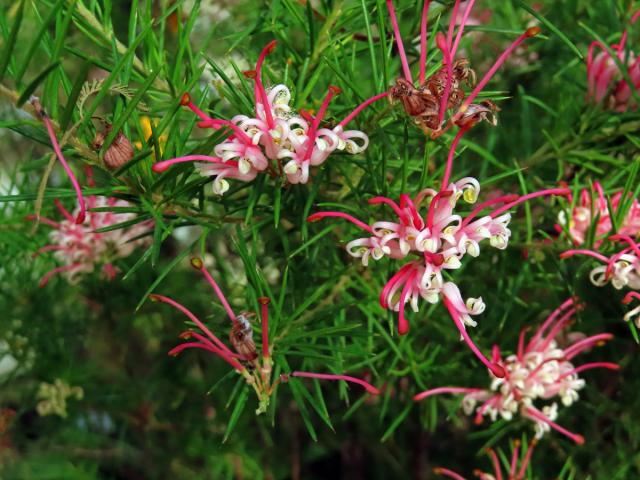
[(241, 337), (119, 152)]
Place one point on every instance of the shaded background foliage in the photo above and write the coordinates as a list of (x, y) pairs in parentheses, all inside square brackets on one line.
[(147, 415)]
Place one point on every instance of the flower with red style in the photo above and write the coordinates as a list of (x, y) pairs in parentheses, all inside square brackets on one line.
[(80, 249), (622, 269), (433, 97), (635, 312), (275, 141), (605, 83), (540, 370), (256, 369), (438, 240), (587, 210), (514, 473)]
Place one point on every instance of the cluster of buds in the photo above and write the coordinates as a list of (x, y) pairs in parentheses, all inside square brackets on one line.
[(81, 249), (587, 210), (622, 269), (604, 79), (514, 473), (440, 240), (442, 93), (276, 141), (255, 368), (541, 370)]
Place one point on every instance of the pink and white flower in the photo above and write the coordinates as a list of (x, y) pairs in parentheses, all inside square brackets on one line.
[(514, 473), (433, 242), (540, 372), (276, 141), (621, 269), (588, 210), (606, 84), (81, 250)]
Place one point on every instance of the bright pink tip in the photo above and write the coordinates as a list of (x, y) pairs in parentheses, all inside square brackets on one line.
[(403, 326), (81, 217), (629, 297), (160, 167), (315, 217)]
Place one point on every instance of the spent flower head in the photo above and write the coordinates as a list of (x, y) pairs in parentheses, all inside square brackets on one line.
[(256, 368)]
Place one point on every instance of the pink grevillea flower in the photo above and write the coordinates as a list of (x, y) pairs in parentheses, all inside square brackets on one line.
[(80, 217), (622, 269), (635, 312), (80, 249), (433, 97), (587, 210), (514, 472), (606, 84), (540, 371), (434, 241), (276, 141), (244, 358)]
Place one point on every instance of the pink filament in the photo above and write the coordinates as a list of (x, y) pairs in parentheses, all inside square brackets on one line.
[(488, 203), (432, 206), (589, 366), (217, 342), (55, 271), (586, 343), (590, 253), (449, 63), (312, 133), (454, 144), (396, 32), (74, 181), (326, 376), (529, 196), (423, 40), (406, 202), (496, 464), (538, 415), (440, 390), (230, 360), (260, 87), (265, 327), (403, 272), (527, 458), (320, 215), (394, 206), (448, 473), (219, 293), (403, 325), (550, 319), (465, 17), (361, 107), (628, 298), (164, 165), (629, 240), (496, 369), (501, 59)]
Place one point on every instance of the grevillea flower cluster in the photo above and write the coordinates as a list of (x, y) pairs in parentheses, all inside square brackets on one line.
[(514, 473), (276, 141), (622, 269), (437, 240), (588, 210), (439, 101), (606, 84), (80, 249), (255, 369), (541, 370)]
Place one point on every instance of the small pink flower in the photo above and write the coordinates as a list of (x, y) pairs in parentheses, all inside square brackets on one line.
[(433, 242), (80, 249), (514, 473), (606, 84), (256, 369), (276, 141), (587, 211), (540, 371), (622, 269)]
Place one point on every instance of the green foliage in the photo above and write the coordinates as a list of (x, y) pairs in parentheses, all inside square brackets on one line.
[(145, 414)]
